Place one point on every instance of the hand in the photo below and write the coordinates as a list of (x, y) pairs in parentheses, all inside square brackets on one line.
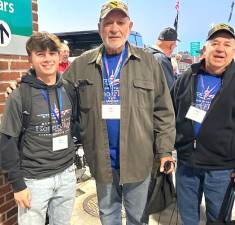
[(23, 198), (13, 86), (163, 160), (233, 176)]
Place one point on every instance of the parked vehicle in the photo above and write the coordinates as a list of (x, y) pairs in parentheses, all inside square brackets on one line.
[(80, 41)]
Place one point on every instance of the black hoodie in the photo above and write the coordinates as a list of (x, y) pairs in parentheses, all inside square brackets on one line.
[(50, 118)]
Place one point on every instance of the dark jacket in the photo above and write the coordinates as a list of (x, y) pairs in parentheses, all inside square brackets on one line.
[(214, 147), (165, 62)]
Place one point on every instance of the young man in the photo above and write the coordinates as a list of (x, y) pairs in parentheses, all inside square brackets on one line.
[(126, 109), (204, 103), (41, 172)]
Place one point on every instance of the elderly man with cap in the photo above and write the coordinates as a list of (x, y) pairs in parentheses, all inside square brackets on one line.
[(162, 51), (126, 109), (204, 102)]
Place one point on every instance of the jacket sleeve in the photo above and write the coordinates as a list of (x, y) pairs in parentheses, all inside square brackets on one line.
[(10, 162), (9, 132), (164, 117), (71, 73), (174, 94), (167, 67)]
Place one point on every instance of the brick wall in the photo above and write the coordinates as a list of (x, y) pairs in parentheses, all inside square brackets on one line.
[(11, 67)]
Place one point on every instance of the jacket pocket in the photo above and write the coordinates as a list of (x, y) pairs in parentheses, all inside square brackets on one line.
[(143, 92), (86, 88)]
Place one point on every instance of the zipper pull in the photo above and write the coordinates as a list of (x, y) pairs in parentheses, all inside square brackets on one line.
[(194, 144)]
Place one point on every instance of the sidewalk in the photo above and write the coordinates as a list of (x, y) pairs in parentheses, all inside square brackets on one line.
[(86, 209)]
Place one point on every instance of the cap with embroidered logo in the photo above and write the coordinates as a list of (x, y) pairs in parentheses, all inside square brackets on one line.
[(220, 27), (113, 5)]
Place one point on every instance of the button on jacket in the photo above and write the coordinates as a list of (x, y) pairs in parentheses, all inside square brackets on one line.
[(147, 117)]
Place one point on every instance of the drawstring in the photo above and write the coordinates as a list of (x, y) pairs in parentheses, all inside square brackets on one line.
[(49, 107), (58, 104)]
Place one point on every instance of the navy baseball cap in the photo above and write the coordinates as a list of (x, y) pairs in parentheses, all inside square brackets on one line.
[(168, 34)]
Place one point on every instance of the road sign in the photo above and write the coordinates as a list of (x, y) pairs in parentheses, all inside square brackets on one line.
[(195, 48), (17, 16), (5, 34)]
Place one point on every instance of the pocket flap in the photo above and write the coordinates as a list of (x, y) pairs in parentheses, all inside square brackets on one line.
[(143, 84), (84, 82)]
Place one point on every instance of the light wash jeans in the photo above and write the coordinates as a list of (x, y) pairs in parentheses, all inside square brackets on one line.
[(110, 197), (191, 183), (55, 193)]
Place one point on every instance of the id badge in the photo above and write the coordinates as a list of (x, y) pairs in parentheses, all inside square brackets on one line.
[(111, 111), (59, 143), (195, 114)]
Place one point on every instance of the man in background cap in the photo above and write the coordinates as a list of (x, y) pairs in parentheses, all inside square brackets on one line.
[(126, 108), (204, 103), (162, 51)]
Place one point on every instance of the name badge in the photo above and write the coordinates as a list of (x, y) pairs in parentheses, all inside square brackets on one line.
[(195, 114), (111, 111), (59, 143)]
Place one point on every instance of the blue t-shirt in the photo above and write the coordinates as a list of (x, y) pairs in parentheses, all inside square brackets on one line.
[(207, 87), (111, 80)]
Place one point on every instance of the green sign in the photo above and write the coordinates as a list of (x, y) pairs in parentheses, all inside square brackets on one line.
[(15, 25), (195, 48), (18, 15)]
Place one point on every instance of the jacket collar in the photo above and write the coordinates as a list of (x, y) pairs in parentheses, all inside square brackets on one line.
[(196, 67), (96, 56)]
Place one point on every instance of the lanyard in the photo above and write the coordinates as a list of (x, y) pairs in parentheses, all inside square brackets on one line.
[(207, 91), (112, 77), (53, 110)]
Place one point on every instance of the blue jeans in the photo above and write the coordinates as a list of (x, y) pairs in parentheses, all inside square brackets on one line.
[(110, 197), (191, 183), (55, 193)]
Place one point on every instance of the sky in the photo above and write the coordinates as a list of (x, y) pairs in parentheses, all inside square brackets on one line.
[(149, 17)]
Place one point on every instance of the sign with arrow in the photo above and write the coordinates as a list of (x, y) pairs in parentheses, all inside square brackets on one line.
[(15, 26), (5, 34)]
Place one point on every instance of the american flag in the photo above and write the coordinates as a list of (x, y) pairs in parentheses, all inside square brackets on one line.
[(231, 11), (177, 6)]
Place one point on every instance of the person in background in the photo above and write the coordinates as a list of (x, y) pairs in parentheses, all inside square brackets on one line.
[(64, 58), (126, 109), (163, 50), (175, 61), (41, 172), (204, 104)]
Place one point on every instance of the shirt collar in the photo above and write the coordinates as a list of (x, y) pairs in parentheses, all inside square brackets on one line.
[(97, 55)]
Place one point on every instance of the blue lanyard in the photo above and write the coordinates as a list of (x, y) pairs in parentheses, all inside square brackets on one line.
[(112, 77), (44, 95)]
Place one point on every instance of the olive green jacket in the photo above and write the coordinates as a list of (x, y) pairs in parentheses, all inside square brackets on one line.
[(147, 118)]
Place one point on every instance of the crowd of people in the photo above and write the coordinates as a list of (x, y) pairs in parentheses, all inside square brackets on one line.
[(132, 111)]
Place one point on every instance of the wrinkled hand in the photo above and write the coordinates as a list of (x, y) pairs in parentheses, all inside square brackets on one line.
[(23, 198), (163, 160), (13, 86)]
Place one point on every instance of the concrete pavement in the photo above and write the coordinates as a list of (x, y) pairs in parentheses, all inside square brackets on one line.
[(86, 210)]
